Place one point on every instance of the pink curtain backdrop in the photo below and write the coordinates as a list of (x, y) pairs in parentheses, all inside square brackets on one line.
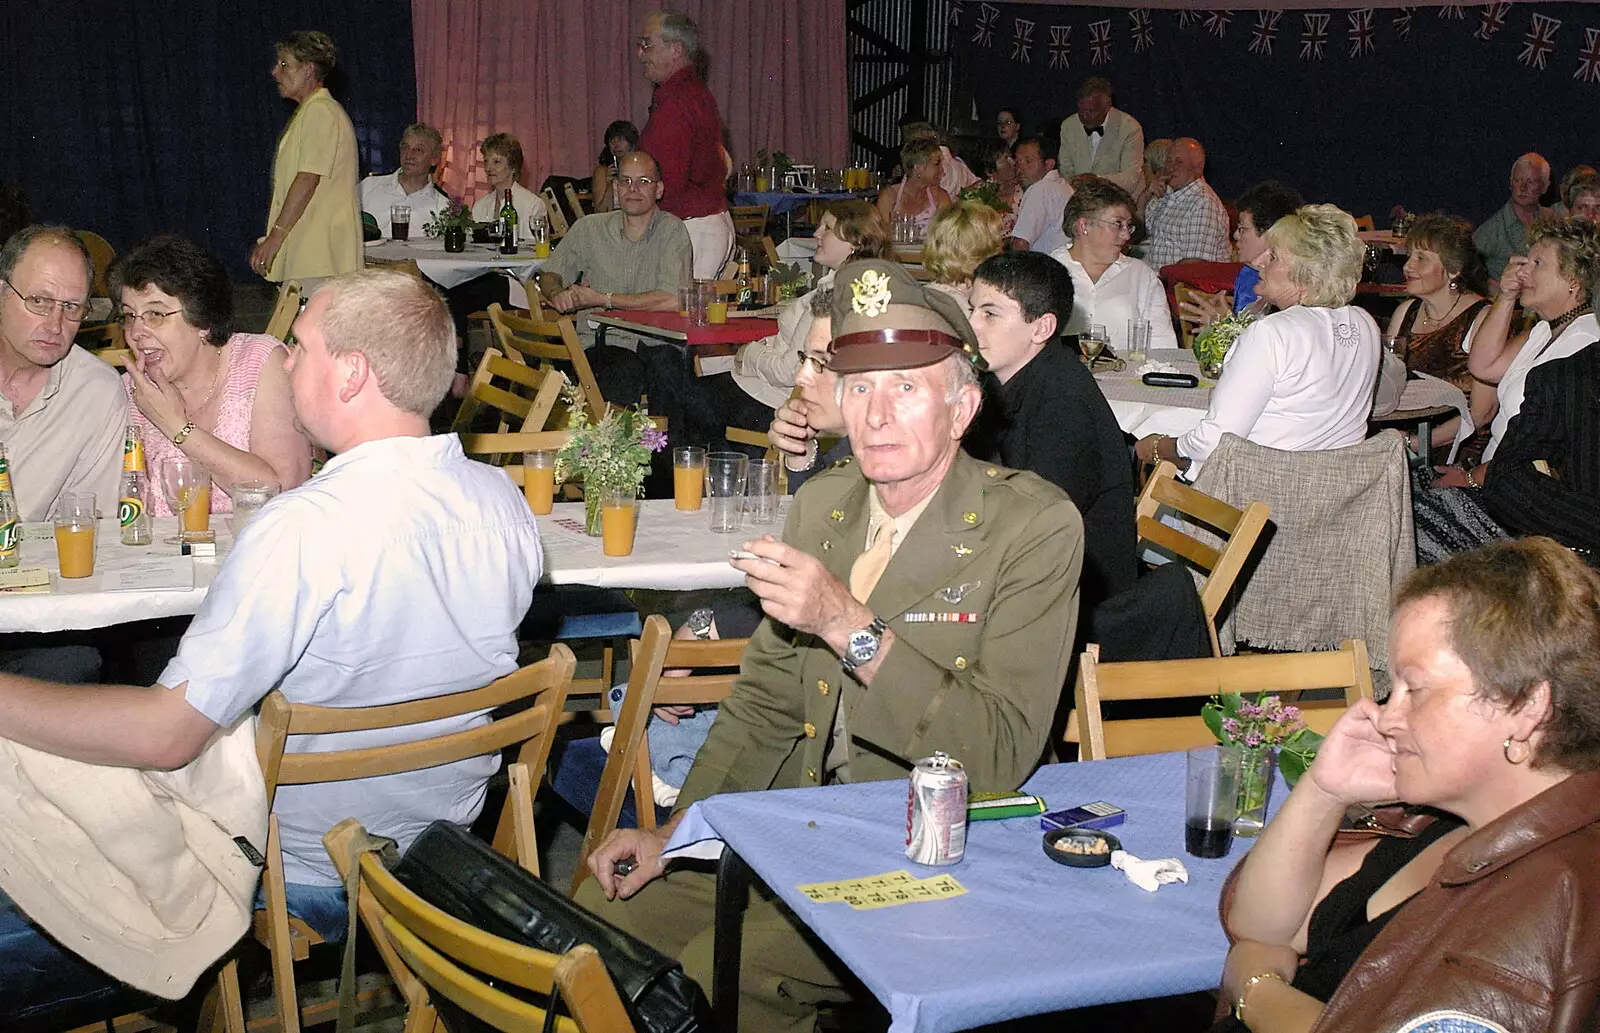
[(555, 72)]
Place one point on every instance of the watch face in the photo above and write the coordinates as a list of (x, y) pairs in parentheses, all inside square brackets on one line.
[(862, 646), (699, 622)]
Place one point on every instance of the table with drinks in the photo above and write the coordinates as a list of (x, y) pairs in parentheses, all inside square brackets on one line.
[(1025, 935), (450, 266)]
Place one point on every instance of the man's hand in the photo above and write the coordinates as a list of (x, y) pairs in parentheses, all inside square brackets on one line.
[(673, 712), (790, 432), (577, 296), (1449, 477), (1145, 448), (637, 847), (799, 591)]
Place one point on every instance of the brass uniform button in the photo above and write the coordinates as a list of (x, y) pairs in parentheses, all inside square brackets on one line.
[(970, 518), (837, 514), (961, 663), (811, 774), (811, 730), (827, 546), (992, 472), (822, 686)]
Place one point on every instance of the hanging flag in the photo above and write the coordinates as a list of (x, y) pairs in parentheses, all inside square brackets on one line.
[(1315, 36), (1494, 19), (953, 15), (988, 14), (1100, 42), (1452, 11), (1217, 22), (1060, 46), (1402, 22), (1144, 36), (1540, 41), (1022, 45), (1589, 57), (1361, 32), (1266, 30)]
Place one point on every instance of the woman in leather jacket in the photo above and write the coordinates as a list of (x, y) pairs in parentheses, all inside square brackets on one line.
[(1494, 718)]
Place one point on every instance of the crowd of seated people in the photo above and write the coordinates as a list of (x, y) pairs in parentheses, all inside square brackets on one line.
[(902, 402)]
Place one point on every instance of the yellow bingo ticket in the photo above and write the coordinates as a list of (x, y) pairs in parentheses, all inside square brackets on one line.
[(889, 889)]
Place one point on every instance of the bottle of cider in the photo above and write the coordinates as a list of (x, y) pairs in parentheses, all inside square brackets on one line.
[(131, 511), (10, 521)]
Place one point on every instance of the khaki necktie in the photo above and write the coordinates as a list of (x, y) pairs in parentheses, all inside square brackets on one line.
[(870, 565)]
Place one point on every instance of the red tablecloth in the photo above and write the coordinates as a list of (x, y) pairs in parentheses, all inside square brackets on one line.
[(734, 331)]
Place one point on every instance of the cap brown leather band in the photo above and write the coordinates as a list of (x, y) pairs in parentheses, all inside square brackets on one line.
[(891, 336)]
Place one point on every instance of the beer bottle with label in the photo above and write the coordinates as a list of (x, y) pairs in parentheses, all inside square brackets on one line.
[(744, 285), (616, 188), (508, 226), (131, 510), (10, 519)]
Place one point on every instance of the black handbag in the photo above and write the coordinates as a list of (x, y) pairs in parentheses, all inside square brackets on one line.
[(465, 877)]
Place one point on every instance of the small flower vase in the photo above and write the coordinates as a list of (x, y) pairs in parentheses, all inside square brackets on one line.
[(455, 239), (591, 510), (1256, 768)]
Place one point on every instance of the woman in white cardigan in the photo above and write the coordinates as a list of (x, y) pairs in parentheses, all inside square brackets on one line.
[(1108, 287), (1301, 378)]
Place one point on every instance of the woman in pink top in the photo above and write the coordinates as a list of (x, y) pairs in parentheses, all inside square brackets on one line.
[(918, 194), (195, 387)]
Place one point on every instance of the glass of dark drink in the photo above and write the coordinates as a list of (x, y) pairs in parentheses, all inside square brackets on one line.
[(1211, 800), (400, 222)]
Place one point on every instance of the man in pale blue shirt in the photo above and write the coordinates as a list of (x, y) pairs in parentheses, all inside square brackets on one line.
[(400, 572)]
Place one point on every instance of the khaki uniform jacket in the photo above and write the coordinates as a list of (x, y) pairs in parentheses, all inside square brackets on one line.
[(1001, 544)]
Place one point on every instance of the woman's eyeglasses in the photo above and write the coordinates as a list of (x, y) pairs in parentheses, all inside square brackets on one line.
[(152, 319)]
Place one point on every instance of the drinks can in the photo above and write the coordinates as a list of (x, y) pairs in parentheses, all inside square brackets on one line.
[(936, 811)]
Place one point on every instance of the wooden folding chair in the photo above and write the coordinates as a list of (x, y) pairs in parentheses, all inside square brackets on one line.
[(101, 255), (628, 764), (1220, 567), (289, 304), (548, 341), (749, 220), (526, 410), (513, 443), (545, 684), (1365, 223), (1188, 326), (558, 218), (1345, 668), (575, 200), (431, 953)]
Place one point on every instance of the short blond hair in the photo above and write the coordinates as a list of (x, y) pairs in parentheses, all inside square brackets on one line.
[(403, 328), (1324, 251), (959, 238)]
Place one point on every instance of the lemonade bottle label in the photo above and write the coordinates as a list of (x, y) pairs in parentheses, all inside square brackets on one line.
[(129, 510)]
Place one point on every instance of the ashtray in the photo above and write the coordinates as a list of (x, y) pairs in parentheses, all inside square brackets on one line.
[(1080, 848)]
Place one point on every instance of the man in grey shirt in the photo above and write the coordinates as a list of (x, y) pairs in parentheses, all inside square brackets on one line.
[(633, 258)]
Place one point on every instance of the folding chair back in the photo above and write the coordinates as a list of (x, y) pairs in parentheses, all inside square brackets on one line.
[(1220, 567), (289, 304), (749, 220), (524, 403), (548, 341), (101, 255), (656, 652), (1345, 668), (558, 218)]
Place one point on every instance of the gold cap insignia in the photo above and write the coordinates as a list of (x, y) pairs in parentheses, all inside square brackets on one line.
[(869, 294)]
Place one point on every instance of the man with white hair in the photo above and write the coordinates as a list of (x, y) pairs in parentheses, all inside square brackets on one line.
[(1189, 220), (400, 572), (411, 184), (685, 136), (920, 600), (1505, 233)]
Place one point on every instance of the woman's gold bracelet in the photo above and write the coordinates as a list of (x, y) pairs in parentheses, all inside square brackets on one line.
[(1250, 984)]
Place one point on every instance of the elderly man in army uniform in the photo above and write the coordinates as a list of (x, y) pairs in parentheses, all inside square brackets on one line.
[(920, 600)]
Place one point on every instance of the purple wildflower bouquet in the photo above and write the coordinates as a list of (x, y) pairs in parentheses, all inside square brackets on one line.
[(1260, 724)]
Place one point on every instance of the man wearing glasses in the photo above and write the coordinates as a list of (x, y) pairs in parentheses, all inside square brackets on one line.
[(633, 258), (63, 410), (685, 135)]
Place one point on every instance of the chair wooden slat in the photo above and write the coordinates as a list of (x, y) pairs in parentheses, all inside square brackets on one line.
[(551, 341), (1099, 683), (283, 313)]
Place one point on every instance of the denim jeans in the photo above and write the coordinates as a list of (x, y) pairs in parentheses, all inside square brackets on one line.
[(37, 973)]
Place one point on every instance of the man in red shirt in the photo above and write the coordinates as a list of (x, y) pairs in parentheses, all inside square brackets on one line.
[(685, 136)]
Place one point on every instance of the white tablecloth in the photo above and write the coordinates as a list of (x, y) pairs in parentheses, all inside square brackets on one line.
[(448, 270), (1141, 409), (85, 603), (671, 550)]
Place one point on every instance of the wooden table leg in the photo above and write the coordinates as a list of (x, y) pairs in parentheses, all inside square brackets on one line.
[(733, 893)]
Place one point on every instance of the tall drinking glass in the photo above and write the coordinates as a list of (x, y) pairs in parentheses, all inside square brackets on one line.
[(400, 222), (76, 521), (725, 480), (539, 481), (248, 498), (186, 485), (688, 477), (761, 491), (619, 518), (1211, 800)]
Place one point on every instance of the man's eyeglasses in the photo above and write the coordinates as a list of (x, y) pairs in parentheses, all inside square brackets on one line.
[(818, 366), (644, 44), (1115, 225), (39, 305), (152, 319), (642, 182)]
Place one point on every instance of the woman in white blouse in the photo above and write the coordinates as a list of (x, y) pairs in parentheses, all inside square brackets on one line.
[(1300, 379), (1108, 287)]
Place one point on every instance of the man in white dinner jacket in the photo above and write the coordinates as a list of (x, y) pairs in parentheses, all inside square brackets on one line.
[(1102, 140)]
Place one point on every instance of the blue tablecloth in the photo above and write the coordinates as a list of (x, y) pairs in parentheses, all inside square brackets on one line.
[(780, 201), (1030, 936)]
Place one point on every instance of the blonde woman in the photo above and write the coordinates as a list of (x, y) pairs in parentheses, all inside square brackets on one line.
[(959, 239), (1301, 378), (918, 194)]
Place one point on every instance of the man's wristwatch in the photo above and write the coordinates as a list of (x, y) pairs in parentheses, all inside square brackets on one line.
[(862, 645), (699, 622)]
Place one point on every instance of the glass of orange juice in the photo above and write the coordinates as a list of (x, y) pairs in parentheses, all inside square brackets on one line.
[(717, 309), (539, 481), (688, 477), (75, 527), (619, 515), (186, 485)]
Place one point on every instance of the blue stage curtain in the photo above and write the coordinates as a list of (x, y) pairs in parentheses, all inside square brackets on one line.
[(1422, 107), (132, 119)]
